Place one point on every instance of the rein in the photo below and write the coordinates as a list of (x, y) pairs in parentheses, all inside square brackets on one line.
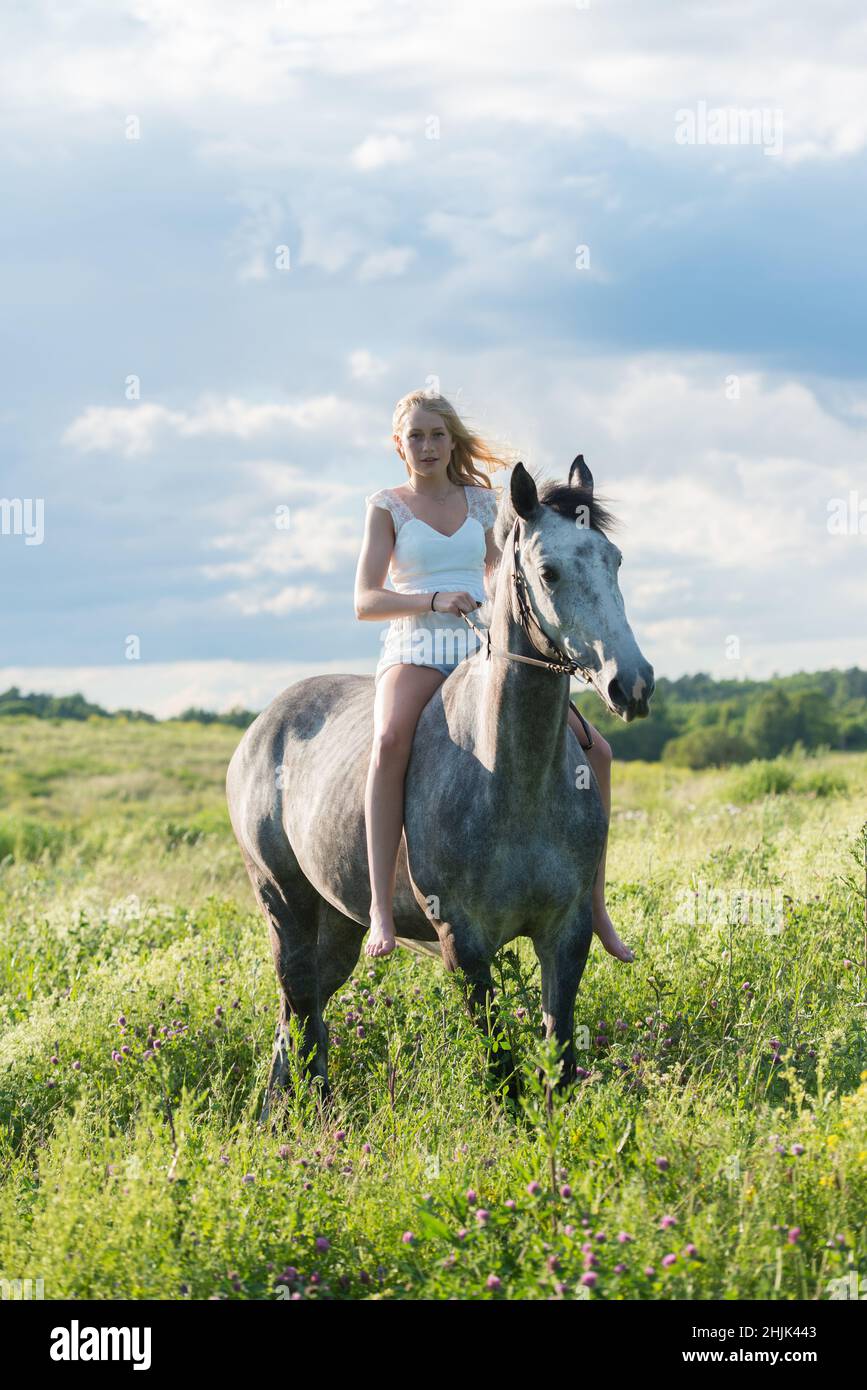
[(562, 665)]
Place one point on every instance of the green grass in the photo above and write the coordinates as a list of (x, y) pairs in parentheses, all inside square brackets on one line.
[(735, 1040), (774, 777)]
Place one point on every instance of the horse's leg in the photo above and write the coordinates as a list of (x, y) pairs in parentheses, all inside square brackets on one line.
[(338, 950), (562, 952), (599, 757), (293, 932), (462, 950)]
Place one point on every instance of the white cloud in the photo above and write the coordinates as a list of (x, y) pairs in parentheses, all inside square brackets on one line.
[(363, 366), (556, 67), (135, 429), (254, 243), (127, 430), (327, 243), (318, 541), (378, 150), (290, 599), (380, 265)]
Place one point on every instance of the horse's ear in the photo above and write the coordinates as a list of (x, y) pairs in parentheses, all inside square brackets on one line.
[(525, 498), (580, 475)]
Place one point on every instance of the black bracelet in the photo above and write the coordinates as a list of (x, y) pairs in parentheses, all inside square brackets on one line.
[(436, 591)]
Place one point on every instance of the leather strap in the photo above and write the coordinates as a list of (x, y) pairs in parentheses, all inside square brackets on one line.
[(585, 726), (562, 665)]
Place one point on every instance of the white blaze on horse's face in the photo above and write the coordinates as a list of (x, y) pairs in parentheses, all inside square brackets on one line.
[(571, 571)]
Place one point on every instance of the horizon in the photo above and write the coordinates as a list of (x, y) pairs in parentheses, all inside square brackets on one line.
[(576, 690)]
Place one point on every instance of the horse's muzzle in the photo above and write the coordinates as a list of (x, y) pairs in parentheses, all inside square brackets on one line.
[(631, 699)]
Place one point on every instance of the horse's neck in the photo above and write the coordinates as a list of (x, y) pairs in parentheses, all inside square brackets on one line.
[(522, 711)]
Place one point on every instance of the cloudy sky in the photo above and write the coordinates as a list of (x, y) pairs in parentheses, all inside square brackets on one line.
[(234, 235)]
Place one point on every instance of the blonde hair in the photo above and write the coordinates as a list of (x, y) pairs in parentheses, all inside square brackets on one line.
[(469, 449)]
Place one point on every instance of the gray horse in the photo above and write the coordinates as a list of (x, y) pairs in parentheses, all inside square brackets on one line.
[(503, 823)]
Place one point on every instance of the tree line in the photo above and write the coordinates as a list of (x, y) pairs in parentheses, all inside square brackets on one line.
[(696, 721)]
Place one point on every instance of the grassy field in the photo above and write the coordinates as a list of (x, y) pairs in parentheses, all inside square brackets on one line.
[(714, 1148)]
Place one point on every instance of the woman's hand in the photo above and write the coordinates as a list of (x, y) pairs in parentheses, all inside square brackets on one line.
[(456, 603)]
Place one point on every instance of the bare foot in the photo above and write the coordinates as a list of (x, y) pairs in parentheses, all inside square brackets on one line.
[(381, 939), (604, 929)]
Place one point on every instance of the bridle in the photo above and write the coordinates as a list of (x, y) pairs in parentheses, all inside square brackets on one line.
[(562, 665)]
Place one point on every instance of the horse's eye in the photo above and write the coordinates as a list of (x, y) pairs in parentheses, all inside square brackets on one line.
[(549, 575)]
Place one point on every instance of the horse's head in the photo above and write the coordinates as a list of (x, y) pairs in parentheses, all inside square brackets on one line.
[(570, 569)]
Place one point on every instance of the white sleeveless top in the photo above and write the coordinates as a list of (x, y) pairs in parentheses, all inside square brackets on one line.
[(424, 560)]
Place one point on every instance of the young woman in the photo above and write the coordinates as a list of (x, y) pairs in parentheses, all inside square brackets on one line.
[(434, 534)]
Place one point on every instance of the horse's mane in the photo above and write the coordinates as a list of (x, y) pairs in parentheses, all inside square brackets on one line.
[(566, 500), (562, 499)]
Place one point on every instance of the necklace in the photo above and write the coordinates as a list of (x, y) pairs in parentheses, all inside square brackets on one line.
[(441, 500)]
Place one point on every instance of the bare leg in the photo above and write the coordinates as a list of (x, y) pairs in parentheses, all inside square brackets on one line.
[(599, 758), (401, 694)]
